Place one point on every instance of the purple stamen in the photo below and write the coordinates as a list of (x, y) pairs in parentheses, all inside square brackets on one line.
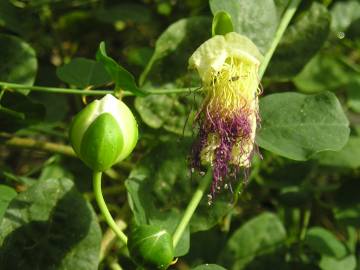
[(229, 130)]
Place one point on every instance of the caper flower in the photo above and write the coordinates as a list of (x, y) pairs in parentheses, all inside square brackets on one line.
[(228, 67)]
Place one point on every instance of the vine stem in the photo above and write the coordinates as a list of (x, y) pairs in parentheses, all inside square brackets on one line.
[(98, 92), (285, 20), (200, 191), (103, 208), (190, 209)]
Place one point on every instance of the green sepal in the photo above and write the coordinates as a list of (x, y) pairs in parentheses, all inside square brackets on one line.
[(151, 247), (101, 143), (79, 125), (222, 23)]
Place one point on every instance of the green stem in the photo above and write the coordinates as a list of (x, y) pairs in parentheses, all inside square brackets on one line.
[(103, 208), (288, 14), (38, 145), (305, 224), (195, 200), (56, 90)]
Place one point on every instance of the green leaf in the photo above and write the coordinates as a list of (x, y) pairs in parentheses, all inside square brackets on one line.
[(353, 100), (83, 72), (158, 194), (209, 267), (124, 12), (19, 111), (6, 195), (9, 18), (324, 242), (222, 23), (157, 207), (49, 226), (348, 215), (300, 42), (281, 6), (18, 61), (256, 19), (343, 14), (312, 79), (330, 263), (297, 126), (173, 49), (174, 113), (347, 157), (262, 234), (123, 79)]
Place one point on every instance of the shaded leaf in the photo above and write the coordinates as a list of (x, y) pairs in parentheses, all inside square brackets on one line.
[(124, 12), (312, 79), (256, 19), (123, 79), (343, 14), (19, 111), (18, 61), (297, 126), (353, 90), (262, 234), (154, 190), (6, 195), (324, 242), (347, 157), (173, 49), (300, 42), (348, 215), (209, 267), (83, 72), (174, 113), (53, 226), (9, 18)]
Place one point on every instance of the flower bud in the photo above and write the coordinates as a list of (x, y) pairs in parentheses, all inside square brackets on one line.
[(103, 133), (151, 247)]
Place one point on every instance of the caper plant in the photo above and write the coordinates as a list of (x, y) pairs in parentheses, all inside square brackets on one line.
[(185, 138)]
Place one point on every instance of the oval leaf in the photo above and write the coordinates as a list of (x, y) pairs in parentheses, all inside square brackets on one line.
[(297, 126)]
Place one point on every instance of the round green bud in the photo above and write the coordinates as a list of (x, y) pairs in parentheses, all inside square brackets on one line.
[(103, 133), (151, 247)]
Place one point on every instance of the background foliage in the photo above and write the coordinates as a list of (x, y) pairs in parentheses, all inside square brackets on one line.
[(301, 208)]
